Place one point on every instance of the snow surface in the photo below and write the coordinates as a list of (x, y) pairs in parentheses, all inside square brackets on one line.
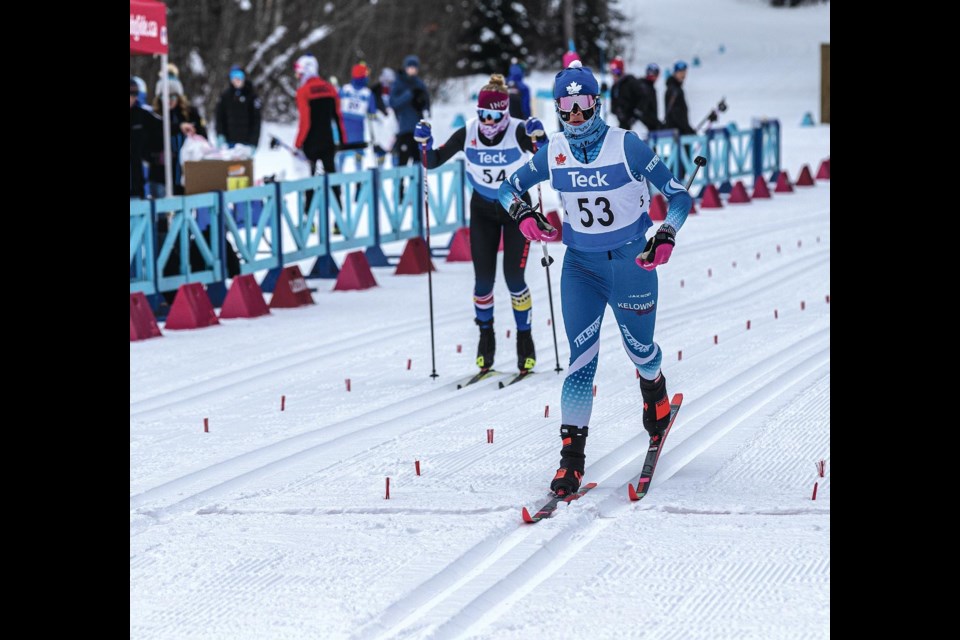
[(274, 524)]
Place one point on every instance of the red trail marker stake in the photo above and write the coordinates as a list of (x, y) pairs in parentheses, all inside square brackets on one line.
[(348, 384), (803, 305), (417, 465), (459, 348), (814, 496), (489, 436), (748, 325), (822, 467), (409, 361), (283, 402), (709, 273), (716, 339), (206, 425), (681, 284), (546, 411), (778, 248), (387, 497), (679, 355), (828, 298), (508, 333), (775, 314), (594, 391)]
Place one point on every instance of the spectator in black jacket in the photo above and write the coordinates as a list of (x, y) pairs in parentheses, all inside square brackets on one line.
[(634, 99), (675, 104), (238, 112), (185, 121), (146, 134)]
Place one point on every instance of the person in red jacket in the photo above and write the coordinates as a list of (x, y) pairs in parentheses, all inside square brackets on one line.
[(318, 105)]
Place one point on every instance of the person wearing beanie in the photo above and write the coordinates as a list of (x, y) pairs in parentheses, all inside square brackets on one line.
[(495, 145), (185, 121), (519, 92), (238, 112), (601, 173), (410, 101), (146, 135), (675, 114), (357, 105), (634, 99), (318, 107)]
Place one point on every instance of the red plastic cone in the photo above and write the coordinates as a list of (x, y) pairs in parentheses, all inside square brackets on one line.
[(760, 188), (191, 308), (244, 300), (711, 198), (142, 323), (554, 219), (291, 290), (460, 246), (415, 258), (693, 207), (823, 173), (738, 195), (658, 208), (355, 273), (805, 179), (783, 183)]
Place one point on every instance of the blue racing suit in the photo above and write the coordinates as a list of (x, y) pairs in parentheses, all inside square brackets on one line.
[(606, 201)]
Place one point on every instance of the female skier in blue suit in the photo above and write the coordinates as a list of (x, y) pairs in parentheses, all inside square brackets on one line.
[(601, 173)]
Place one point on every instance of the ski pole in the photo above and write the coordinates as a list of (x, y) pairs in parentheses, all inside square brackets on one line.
[(546, 261), (721, 107), (426, 222)]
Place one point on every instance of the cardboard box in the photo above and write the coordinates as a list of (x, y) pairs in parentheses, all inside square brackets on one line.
[(203, 176)]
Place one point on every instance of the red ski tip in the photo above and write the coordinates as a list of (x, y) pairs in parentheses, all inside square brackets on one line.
[(632, 492), (677, 398), (526, 516)]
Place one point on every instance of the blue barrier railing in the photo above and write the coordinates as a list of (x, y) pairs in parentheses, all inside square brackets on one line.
[(250, 235), (307, 227), (141, 247), (193, 243), (354, 216), (184, 235)]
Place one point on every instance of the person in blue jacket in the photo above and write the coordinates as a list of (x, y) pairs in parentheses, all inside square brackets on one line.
[(601, 173), (519, 92), (410, 100)]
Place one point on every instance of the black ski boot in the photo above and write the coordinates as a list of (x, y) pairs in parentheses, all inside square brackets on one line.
[(570, 473), (656, 405), (487, 345), (526, 354)]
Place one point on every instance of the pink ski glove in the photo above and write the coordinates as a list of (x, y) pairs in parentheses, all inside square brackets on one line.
[(658, 248), (531, 230)]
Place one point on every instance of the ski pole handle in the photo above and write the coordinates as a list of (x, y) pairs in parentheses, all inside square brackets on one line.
[(699, 161)]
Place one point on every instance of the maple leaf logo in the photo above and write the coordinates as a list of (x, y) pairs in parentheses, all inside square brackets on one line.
[(573, 88), (473, 142), (561, 159)]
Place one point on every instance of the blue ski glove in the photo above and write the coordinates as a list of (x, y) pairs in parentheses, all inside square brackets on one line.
[(534, 127), (422, 133)]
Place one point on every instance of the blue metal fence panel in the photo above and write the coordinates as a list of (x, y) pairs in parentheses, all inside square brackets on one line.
[(355, 216), (141, 247), (740, 161), (308, 227), (253, 238), (770, 146), (400, 221), (690, 147), (718, 151), (184, 233), (446, 189)]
